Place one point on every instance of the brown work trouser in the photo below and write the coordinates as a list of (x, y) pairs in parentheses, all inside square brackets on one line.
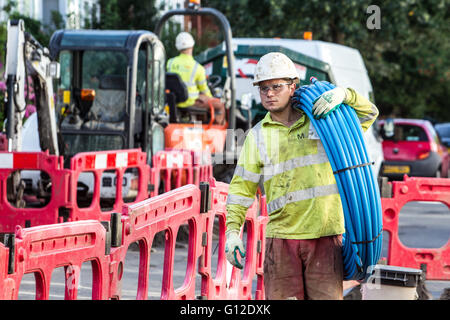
[(304, 269)]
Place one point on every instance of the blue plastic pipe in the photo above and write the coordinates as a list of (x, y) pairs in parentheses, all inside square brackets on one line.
[(342, 137)]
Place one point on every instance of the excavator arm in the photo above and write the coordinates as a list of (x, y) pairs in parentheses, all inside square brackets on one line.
[(26, 57)]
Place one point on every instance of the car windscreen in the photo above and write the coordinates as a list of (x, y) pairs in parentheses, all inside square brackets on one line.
[(405, 132)]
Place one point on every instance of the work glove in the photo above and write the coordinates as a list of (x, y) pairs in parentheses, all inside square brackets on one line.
[(232, 245), (328, 102)]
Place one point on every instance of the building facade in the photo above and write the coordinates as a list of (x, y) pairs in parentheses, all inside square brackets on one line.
[(74, 13)]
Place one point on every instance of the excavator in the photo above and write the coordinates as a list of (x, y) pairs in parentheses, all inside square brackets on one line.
[(112, 92), (27, 59)]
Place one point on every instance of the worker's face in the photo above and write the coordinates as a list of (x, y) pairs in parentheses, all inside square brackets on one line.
[(276, 94)]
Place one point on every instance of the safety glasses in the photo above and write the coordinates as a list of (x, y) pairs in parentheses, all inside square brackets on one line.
[(275, 88)]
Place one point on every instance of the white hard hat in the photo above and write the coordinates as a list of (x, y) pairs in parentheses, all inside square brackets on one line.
[(184, 40), (274, 65)]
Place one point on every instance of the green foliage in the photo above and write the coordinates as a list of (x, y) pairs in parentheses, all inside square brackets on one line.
[(127, 14), (407, 59), (168, 35), (34, 27)]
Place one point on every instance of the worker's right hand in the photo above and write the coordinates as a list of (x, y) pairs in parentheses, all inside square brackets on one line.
[(232, 246)]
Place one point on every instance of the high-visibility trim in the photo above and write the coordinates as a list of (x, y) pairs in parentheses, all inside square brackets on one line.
[(201, 82), (6, 161), (18, 160), (272, 170), (259, 139), (300, 195), (243, 201), (169, 66), (194, 71), (247, 175), (370, 116), (111, 160)]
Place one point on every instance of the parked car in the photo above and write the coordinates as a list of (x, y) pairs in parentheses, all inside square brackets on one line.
[(443, 130), (412, 147)]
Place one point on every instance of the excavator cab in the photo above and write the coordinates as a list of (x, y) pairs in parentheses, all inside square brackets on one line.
[(111, 92)]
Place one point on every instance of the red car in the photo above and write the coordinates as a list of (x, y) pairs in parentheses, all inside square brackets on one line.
[(412, 147)]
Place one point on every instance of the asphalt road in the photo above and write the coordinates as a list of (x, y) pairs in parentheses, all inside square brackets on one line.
[(421, 224)]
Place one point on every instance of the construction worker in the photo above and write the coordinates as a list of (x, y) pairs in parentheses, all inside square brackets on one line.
[(193, 75), (284, 155)]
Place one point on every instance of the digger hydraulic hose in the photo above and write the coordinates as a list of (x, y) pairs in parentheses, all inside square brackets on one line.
[(342, 138)]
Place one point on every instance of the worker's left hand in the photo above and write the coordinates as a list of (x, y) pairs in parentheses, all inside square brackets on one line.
[(232, 246), (328, 102)]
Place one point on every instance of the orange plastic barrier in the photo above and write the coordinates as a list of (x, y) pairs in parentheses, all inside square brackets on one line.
[(41, 249), (437, 260)]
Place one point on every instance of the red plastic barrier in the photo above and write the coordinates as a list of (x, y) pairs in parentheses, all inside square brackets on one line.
[(10, 216), (40, 250), (171, 169), (142, 221), (203, 170), (215, 288), (3, 142), (96, 164), (63, 202), (5, 282), (437, 260), (240, 285)]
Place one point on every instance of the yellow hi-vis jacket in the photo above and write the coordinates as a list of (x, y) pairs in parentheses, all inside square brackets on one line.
[(193, 75), (303, 200)]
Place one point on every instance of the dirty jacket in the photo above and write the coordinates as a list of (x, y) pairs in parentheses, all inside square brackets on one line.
[(291, 166), (193, 75)]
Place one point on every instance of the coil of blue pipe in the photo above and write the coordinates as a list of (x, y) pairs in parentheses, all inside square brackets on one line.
[(342, 137)]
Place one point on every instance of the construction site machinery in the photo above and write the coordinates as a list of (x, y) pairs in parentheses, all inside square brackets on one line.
[(25, 57), (110, 96), (221, 140), (111, 92), (27, 61)]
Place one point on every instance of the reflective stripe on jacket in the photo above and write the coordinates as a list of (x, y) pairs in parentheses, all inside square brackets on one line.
[(291, 165), (193, 75)]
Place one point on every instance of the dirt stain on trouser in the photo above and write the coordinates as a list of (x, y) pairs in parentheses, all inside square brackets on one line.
[(305, 269)]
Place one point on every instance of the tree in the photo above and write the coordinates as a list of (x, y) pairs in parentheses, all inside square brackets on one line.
[(127, 14), (407, 57)]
